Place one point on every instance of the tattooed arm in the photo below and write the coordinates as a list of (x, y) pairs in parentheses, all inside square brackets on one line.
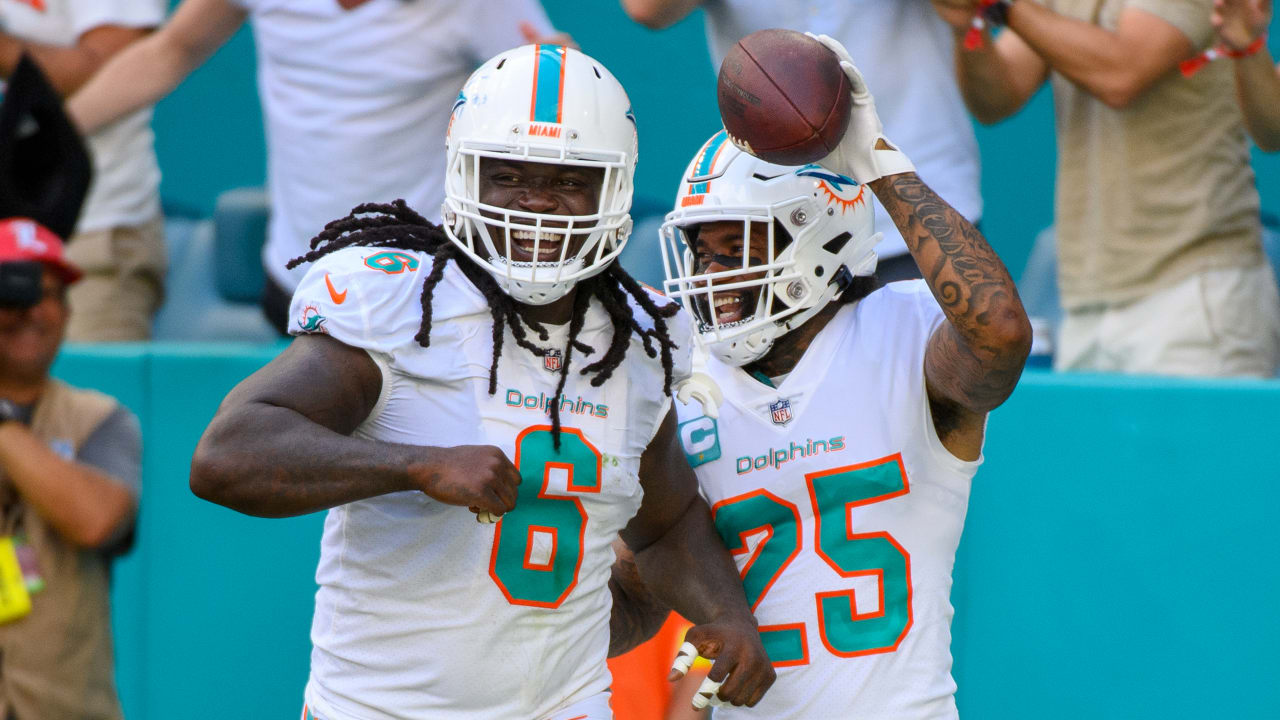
[(974, 359)]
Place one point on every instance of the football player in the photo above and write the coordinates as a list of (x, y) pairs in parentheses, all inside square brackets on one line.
[(504, 364), (839, 465)]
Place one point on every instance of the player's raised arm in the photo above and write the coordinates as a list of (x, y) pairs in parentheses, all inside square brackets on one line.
[(280, 444), (684, 563), (974, 360)]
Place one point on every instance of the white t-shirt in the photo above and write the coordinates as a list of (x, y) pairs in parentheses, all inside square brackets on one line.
[(906, 53), (357, 103), (126, 179), (422, 612), (844, 511)]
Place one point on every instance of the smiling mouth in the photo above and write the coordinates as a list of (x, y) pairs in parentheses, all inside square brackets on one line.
[(732, 307), (549, 245)]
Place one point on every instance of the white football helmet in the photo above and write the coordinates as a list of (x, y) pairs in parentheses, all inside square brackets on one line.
[(547, 104), (829, 239)]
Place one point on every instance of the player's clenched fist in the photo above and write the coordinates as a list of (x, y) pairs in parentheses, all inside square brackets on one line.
[(741, 672), (479, 477)]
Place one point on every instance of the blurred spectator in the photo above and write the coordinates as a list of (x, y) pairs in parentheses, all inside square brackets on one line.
[(120, 238), (1242, 31), (1160, 261), (904, 51), (69, 467), (356, 96)]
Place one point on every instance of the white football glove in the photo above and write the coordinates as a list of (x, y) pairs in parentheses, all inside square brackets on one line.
[(857, 155), (703, 388)]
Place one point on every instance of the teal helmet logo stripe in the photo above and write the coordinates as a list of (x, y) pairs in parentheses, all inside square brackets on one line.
[(706, 161), (835, 179), (548, 83)]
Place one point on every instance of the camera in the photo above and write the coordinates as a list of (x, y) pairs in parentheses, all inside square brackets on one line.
[(20, 284)]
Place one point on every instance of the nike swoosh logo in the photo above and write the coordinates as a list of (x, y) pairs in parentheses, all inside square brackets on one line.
[(338, 297)]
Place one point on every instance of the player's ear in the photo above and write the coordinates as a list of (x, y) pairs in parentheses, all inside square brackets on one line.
[(44, 166)]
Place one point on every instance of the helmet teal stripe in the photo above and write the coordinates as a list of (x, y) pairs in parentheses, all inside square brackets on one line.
[(547, 82), (708, 160)]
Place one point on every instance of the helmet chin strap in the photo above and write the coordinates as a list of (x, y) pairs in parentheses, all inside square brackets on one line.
[(843, 279)]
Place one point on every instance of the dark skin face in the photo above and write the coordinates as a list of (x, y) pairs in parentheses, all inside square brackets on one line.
[(720, 247), (29, 341), (544, 188)]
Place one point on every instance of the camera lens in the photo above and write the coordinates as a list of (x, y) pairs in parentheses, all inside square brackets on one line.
[(20, 284)]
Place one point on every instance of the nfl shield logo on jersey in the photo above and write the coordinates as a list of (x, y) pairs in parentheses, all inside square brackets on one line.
[(551, 361), (781, 411)]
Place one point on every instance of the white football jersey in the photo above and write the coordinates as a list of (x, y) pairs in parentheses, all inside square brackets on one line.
[(844, 511), (423, 612)]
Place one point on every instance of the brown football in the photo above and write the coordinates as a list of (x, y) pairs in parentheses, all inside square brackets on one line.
[(783, 97)]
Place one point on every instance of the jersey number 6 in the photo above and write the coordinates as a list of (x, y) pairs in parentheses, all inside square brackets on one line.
[(537, 548), (833, 493)]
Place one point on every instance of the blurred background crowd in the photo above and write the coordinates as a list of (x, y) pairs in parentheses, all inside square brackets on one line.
[(1118, 185), (1115, 153)]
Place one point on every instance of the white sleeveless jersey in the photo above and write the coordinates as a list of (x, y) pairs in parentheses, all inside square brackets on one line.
[(844, 511), (423, 612)]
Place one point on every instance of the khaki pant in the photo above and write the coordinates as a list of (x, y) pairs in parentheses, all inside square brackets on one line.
[(123, 282), (1216, 323)]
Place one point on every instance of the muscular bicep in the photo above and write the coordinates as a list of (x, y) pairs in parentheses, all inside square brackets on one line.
[(332, 384), (669, 487)]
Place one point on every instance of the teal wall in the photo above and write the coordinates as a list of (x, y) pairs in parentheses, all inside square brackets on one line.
[(209, 132), (212, 609), (1118, 557), (1117, 561)]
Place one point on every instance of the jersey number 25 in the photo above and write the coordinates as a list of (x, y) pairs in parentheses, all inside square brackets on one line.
[(834, 493)]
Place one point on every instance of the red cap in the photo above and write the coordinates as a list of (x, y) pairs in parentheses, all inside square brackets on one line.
[(23, 239)]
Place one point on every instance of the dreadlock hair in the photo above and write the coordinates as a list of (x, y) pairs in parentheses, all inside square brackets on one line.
[(396, 225)]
